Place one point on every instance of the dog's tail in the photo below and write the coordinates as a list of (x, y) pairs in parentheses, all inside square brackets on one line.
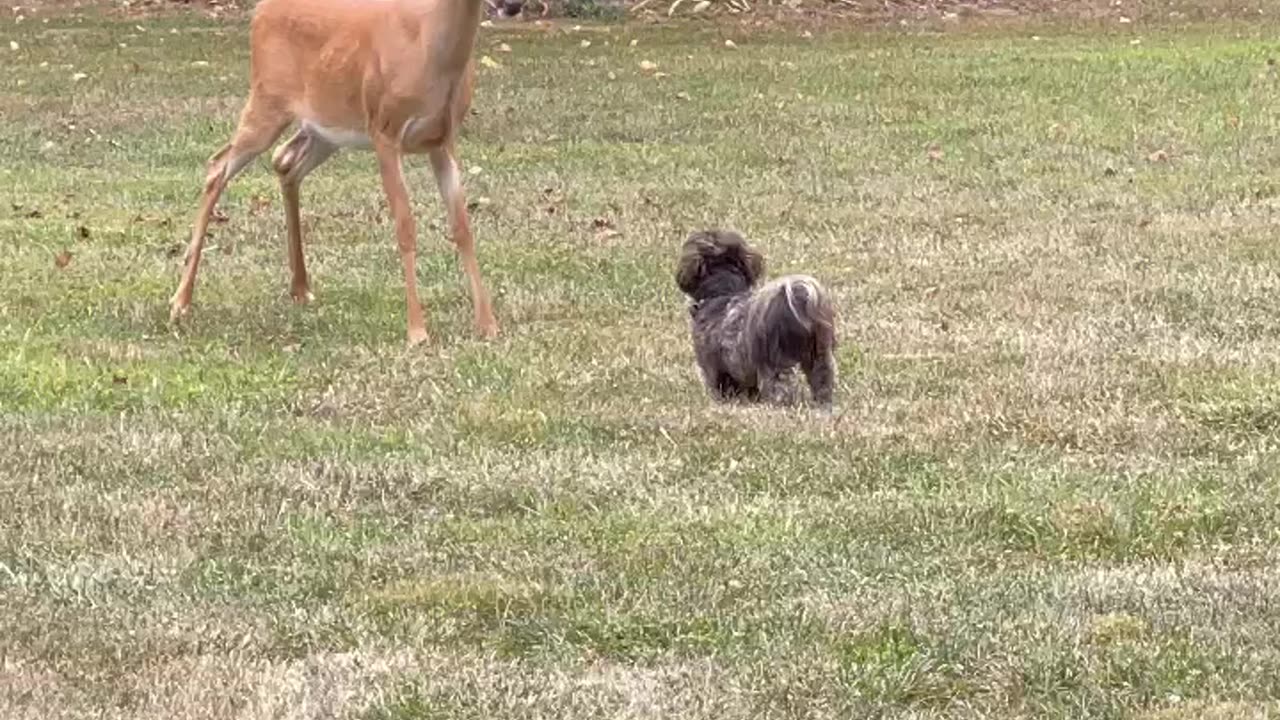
[(809, 309)]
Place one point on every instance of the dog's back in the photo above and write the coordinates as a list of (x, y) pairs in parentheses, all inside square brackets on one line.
[(795, 323)]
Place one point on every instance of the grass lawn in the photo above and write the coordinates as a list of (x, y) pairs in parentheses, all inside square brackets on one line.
[(1049, 489)]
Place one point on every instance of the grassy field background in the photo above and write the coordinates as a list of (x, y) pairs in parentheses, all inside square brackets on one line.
[(1049, 490)]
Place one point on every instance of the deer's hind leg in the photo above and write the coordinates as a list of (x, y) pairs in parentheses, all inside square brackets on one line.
[(260, 125), (293, 161)]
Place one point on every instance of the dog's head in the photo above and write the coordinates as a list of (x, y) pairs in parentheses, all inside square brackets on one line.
[(717, 262)]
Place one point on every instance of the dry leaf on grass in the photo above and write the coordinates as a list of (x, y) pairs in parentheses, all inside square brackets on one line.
[(490, 62), (258, 204), (1158, 156), (648, 65), (62, 259)]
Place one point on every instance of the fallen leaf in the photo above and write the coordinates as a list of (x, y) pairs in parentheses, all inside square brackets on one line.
[(79, 76), (62, 259), (486, 24), (490, 62), (612, 76), (584, 44), (731, 44), (683, 96), (935, 152), (504, 48), (703, 5), (806, 35), (634, 43), (648, 66), (659, 75), (13, 45), (1158, 156)]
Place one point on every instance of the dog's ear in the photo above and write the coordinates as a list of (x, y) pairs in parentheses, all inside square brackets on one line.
[(689, 269), (735, 249), (753, 262)]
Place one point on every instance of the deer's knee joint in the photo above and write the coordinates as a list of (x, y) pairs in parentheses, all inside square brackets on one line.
[(287, 158), (406, 236)]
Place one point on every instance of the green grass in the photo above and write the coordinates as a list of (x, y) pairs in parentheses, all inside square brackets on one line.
[(1050, 489)]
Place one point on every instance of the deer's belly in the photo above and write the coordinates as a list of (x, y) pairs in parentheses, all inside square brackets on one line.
[(341, 137)]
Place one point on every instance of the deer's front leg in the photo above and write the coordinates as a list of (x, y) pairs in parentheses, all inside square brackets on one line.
[(392, 171), (445, 168)]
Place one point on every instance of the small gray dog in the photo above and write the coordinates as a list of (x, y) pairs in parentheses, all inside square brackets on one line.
[(748, 339)]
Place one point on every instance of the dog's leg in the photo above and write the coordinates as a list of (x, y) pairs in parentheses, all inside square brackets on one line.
[(820, 371), (777, 386), (726, 388)]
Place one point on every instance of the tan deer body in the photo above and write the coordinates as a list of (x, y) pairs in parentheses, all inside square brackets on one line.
[(391, 75)]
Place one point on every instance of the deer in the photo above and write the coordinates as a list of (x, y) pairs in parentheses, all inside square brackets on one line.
[(393, 76)]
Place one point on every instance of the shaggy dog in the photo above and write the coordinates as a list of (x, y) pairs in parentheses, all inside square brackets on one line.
[(748, 339)]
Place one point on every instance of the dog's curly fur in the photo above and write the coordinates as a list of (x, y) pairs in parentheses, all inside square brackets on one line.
[(749, 338)]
